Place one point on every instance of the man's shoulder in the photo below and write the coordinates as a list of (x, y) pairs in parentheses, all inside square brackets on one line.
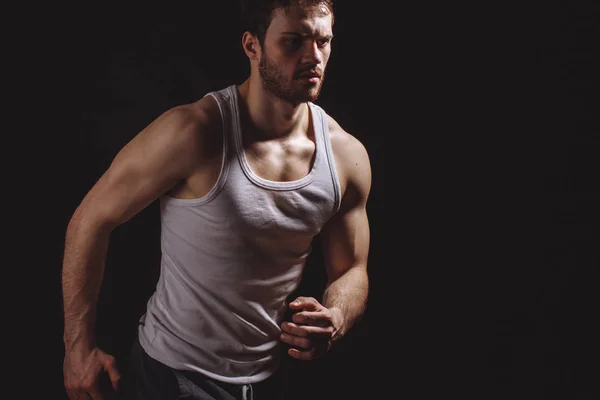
[(343, 141), (202, 116), (204, 111), (351, 156)]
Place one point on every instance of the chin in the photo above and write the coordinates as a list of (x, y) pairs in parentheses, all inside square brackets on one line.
[(313, 95), (308, 94)]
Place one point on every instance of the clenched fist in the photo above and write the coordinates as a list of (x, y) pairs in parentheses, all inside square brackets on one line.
[(312, 329), (82, 371)]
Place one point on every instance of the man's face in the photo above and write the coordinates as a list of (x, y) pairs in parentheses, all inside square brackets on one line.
[(295, 53)]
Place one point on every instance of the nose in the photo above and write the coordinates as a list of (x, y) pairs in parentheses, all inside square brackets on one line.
[(313, 54)]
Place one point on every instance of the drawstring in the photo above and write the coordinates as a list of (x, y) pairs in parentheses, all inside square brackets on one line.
[(245, 390)]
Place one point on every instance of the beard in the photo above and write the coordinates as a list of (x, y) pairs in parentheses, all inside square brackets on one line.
[(291, 91)]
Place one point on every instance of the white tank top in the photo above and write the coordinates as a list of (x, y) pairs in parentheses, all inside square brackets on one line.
[(231, 258)]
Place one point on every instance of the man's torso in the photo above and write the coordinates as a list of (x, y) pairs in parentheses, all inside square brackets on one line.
[(280, 160)]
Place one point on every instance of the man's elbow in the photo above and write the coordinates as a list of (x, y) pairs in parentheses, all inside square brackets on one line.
[(88, 219), (356, 271)]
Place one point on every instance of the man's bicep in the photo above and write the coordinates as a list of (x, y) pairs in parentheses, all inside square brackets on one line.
[(346, 242), (150, 164), (346, 236)]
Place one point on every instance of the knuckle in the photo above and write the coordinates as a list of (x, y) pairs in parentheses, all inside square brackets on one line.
[(307, 330), (288, 339), (72, 384), (293, 341), (87, 384), (305, 316)]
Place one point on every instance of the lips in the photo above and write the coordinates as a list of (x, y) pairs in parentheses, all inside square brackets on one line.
[(310, 75)]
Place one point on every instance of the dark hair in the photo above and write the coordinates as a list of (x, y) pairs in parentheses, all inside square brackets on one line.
[(257, 14)]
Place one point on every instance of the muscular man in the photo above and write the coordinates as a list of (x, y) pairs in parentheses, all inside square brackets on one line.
[(246, 177)]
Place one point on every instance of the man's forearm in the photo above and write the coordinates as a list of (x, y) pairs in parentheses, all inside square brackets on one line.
[(347, 295), (86, 245)]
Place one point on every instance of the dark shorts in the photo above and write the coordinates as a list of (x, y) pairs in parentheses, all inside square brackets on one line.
[(150, 379)]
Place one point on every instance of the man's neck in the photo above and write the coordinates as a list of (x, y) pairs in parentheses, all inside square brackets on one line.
[(270, 116)]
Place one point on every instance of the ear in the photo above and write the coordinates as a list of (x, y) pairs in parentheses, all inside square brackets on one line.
[(251, 46)]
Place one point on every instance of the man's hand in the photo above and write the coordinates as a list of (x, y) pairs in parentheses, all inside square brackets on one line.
[(312, 328), (82, 371)]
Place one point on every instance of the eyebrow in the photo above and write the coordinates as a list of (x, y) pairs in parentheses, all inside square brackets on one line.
[(305, 35)]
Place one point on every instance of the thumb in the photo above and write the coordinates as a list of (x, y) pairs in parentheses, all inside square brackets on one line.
[(296, 304), (306, 303), (110, 365)]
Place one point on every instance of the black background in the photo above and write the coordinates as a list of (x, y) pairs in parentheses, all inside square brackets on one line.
[(490, 111)]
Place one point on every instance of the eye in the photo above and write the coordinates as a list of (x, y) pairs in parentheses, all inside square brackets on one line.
[(293, 42), (323, 42)]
